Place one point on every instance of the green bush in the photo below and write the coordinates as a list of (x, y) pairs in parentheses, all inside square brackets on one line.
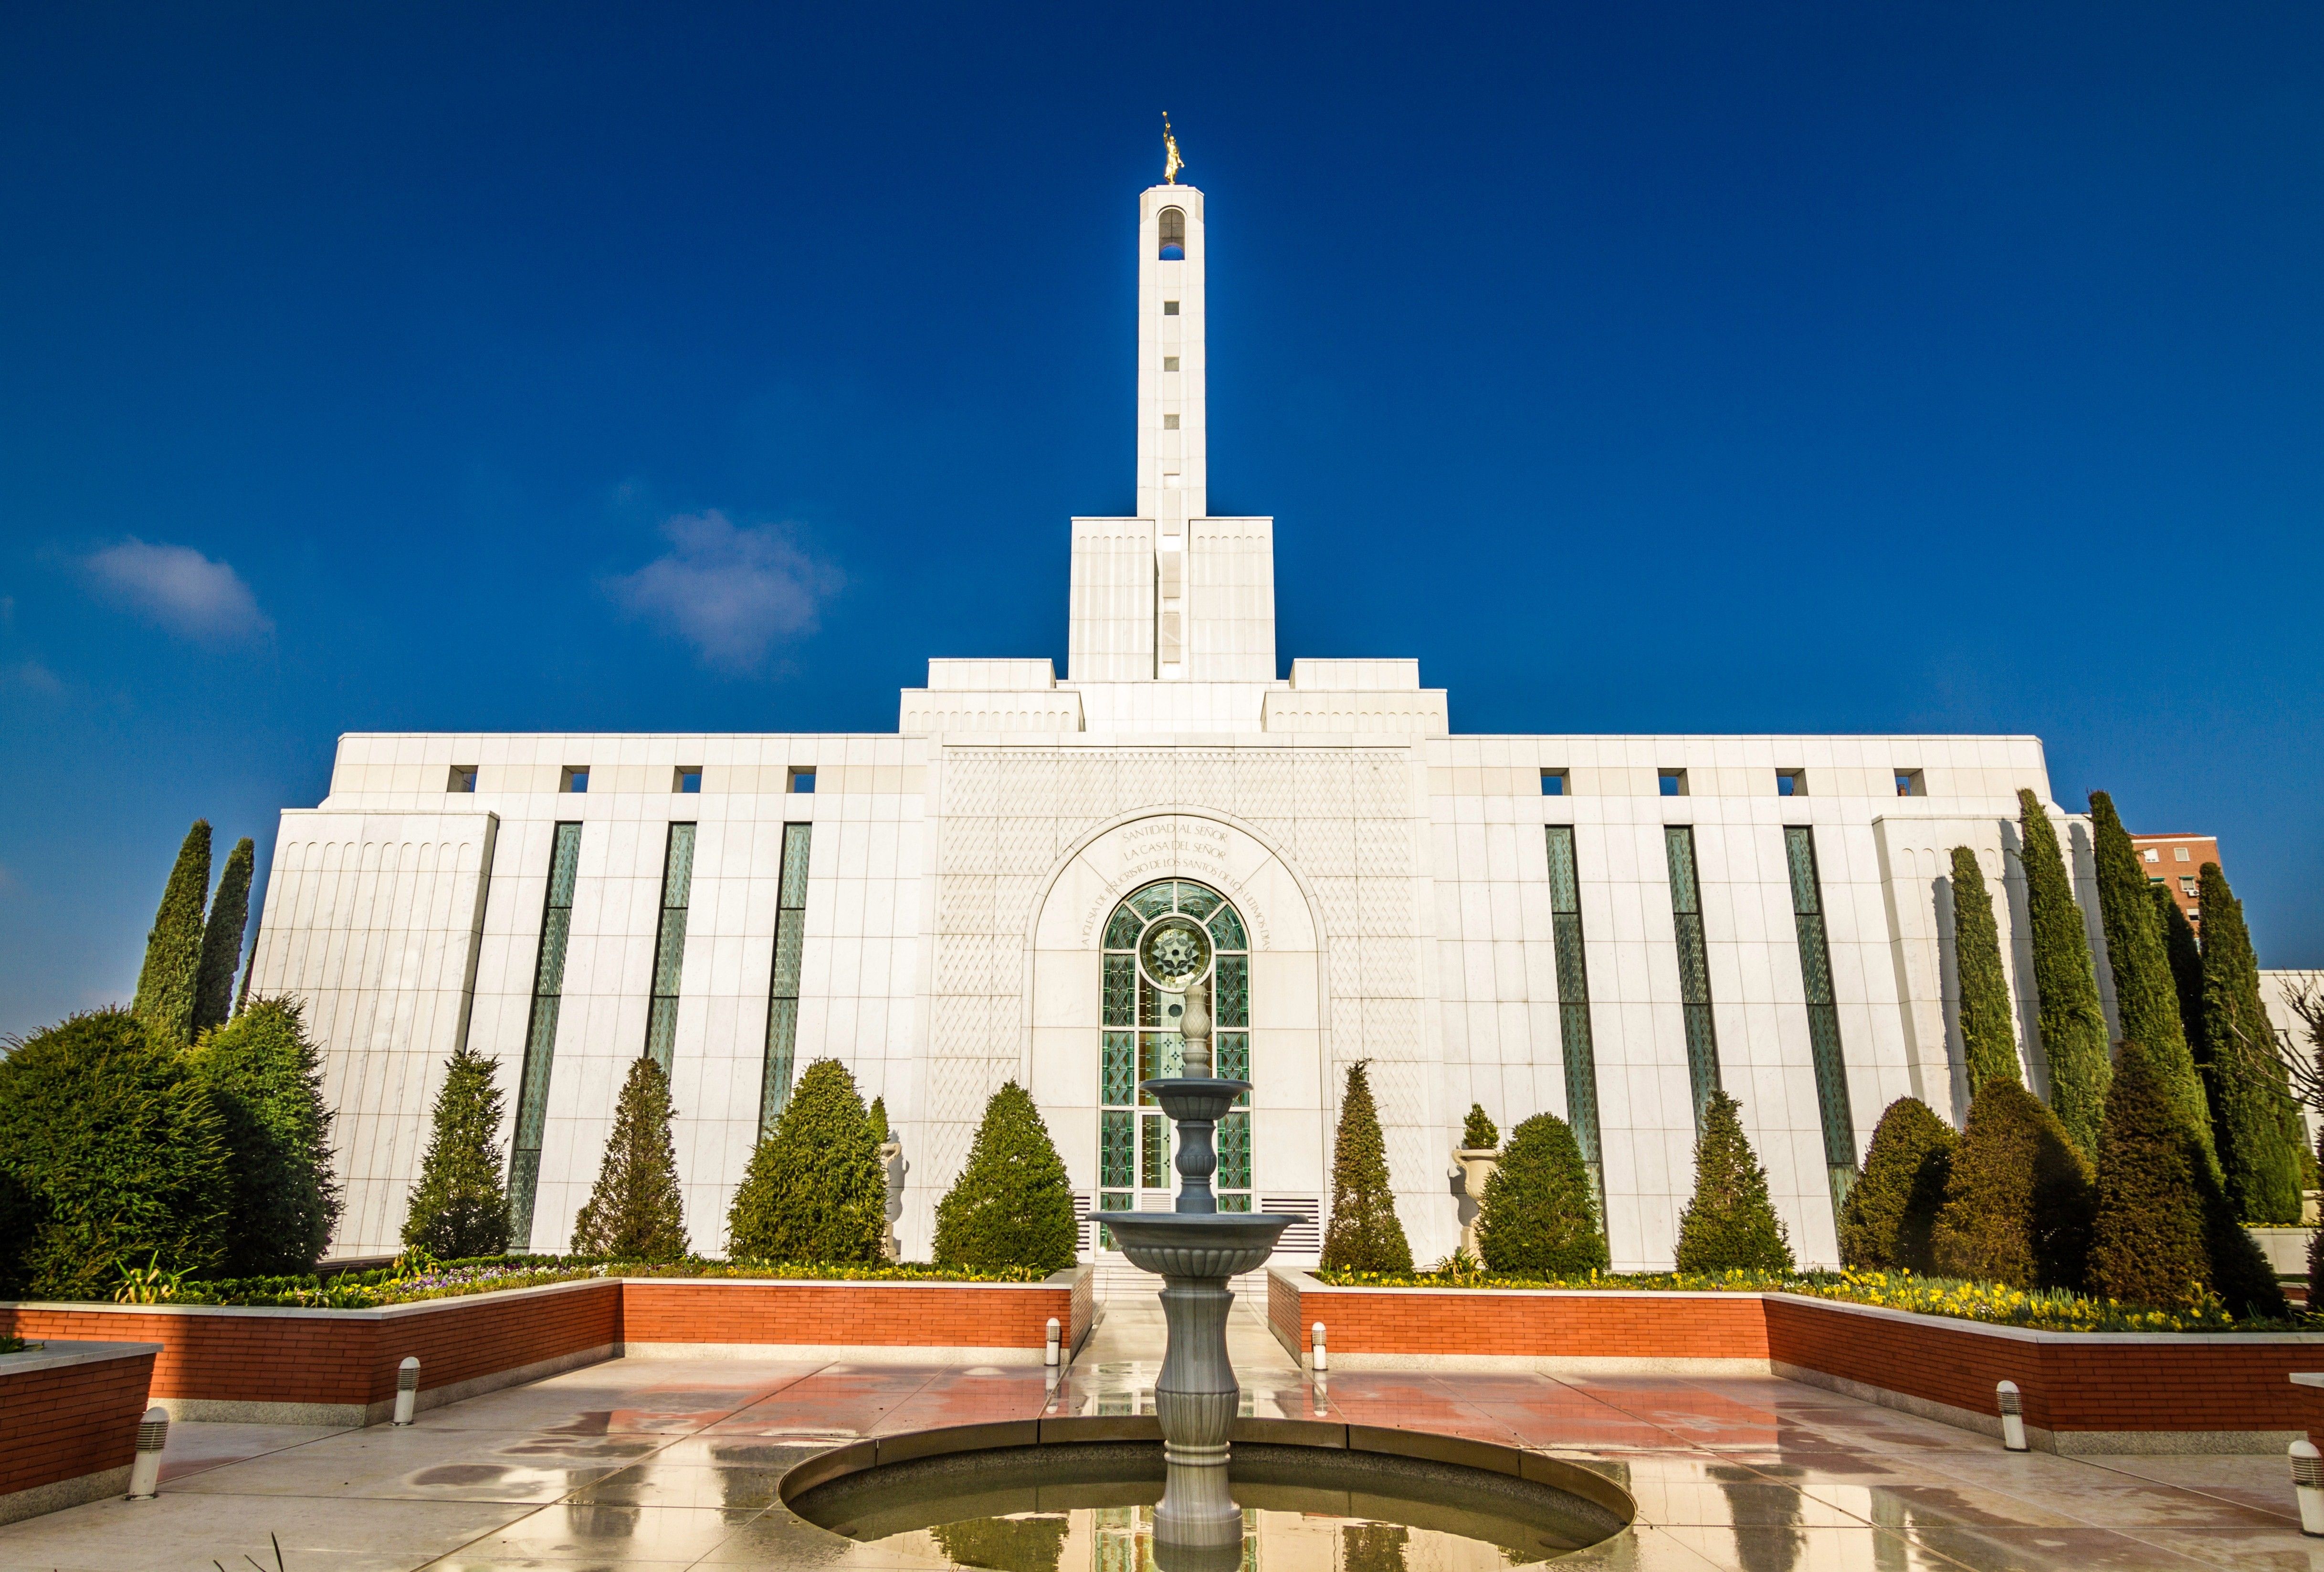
[(460, 1207), (2147, 1245), (1892, 1210), (267, 1080), (2073, 1025), (2146, 994), (1012, 1205), (2256, 1120), (1988, 1036), (2019, 1199), (1730, 1225), (878, 1119), (116, 1157), (815, 1189), (1538, 1214), (167, 982), (635, 1211), (1364, 1234), (222, 941), (1478, 1132)]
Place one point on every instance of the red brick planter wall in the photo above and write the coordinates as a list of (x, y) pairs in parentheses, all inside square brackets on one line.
[(728, 1310), (2084, 1384), (69, 1417)]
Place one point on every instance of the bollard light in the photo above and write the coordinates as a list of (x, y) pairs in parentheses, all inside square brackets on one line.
[(2308, 1485), (2012, 1416), (1056, 1336), (1322, 1355), (153, 1435), (407, 1390)]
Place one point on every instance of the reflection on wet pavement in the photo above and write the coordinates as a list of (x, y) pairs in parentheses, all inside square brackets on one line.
[(649, 1463)]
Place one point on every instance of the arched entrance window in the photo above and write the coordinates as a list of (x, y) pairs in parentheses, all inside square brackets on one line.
[(1158, 941)]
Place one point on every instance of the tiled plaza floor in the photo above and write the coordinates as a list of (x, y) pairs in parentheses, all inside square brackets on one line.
[(668, 1464)]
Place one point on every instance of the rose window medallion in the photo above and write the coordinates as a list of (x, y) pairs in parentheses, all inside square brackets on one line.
[(1175, 952)]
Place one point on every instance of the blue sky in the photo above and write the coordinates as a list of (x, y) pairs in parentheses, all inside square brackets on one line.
[(1702, 368)]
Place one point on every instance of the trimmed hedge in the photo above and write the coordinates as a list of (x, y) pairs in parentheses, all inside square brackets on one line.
[(1539, 1213), (1730, 1225), (2073, 1024), (816, 1189), (2256, 1122), (1988, 1034), (115, 1157), (2146, 994), (2148, 1245), (635, 1211), (1477, 1131), (2018, 1201), (1364, 1234), (1891, 1211), (1012, 1205)]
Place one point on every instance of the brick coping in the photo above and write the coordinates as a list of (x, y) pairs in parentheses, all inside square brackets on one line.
[(1054, 1281), (1306, 1283), (59, 1353)]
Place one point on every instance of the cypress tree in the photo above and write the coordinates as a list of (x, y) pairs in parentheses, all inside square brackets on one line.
[(460, 1207), (635, 1211), (222, 941), (2018, 1201), (878, 1119), (1537, 1214), (814, 1191), (2073, 1024), (1891, 1211), (174, 947), (1012, 1205), (1730, 1225), (114, 1155), (266, 1078), (2178, 943), (1477, 1131), (1364, 1234), (2257, 1123), (2146, 994), (2147, 1245), (1988, 1037)]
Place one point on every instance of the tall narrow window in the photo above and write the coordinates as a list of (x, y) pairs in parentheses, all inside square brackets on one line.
[(1694, 965), (541, 1032), (1823, 1016), (782, 991), (669, 944), (1159, 941), (1574, 1008), (1174, 234)]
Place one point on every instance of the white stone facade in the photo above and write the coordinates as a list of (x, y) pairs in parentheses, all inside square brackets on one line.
[(1396, 881)]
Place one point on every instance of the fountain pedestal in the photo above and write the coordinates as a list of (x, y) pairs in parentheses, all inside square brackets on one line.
[(1196, 1249)]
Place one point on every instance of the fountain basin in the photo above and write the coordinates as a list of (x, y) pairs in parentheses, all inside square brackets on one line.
[(996, 1496), (1218, 1245)]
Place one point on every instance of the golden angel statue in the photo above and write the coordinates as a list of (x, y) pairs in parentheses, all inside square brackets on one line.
[(1171, 163)]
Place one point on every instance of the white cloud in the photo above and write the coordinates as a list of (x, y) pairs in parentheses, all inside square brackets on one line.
[(180, 588), (730, 592)]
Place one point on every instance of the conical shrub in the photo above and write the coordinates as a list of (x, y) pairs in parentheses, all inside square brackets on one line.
[(2147, 1245), (636, 1211), (1013, 1204), (222, 940), (266, 1078), (1730, 1225), (814, 1191), (1538, 1216), (2018, 1201), (2073, 1024), (460, 1207), (876, 1117), (2186, 954), (115, 1157), (2257, 1123), (1988, 1034), (1477, 1131), (1364, 1234), (2145, 995), (166, 983), (1892, 1210)]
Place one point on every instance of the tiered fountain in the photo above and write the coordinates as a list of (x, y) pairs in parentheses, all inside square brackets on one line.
[(1195, 1249)]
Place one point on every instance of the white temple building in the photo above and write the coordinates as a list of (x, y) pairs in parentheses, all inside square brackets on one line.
[(1602, 927)]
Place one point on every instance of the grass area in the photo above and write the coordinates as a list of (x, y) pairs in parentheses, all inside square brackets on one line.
[(2044, 1309)]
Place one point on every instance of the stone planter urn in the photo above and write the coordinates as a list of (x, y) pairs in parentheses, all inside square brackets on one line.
[(891, 1161), (1474, 1164)]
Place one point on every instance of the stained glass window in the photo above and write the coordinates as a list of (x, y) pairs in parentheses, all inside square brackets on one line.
[(1824, 1013)]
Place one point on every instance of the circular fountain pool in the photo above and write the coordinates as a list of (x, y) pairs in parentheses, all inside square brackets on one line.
[(1073, 1505)]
